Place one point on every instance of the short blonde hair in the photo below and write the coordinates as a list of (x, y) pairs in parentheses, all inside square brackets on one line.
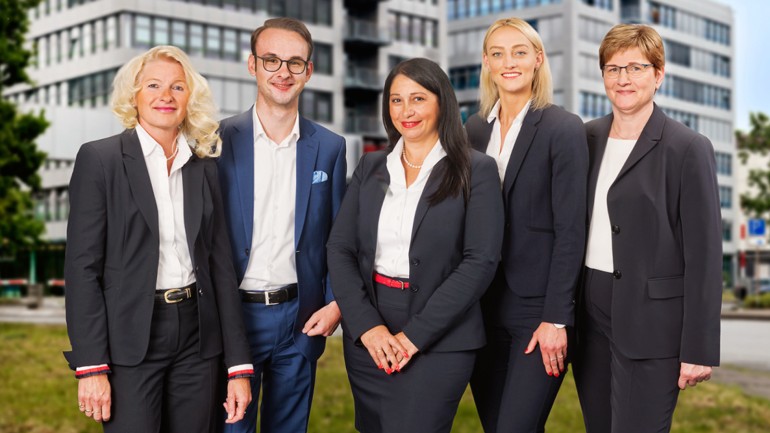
[(624, 37), (199, 126), (542, 85)]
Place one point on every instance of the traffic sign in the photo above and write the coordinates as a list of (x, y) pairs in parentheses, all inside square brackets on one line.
[(756, 227)]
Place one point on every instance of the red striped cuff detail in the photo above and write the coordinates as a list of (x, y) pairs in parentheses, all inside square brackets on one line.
[(103, 369), (240, 373)]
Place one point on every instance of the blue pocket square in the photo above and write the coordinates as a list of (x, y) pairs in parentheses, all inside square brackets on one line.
[(320, 176)]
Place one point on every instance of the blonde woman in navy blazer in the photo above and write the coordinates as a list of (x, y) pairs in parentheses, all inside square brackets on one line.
[(652, 291), (543, 160), (410, 338), (152, 301)]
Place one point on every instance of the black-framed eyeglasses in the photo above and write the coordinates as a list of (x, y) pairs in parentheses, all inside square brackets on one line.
[(273, 63), (633, 70)]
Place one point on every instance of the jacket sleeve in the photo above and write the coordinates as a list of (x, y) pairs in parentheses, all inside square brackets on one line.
[(339, 178), (569, 174), (236, 346), (702, 244), (358, 312), (84, 262), (482, 241)]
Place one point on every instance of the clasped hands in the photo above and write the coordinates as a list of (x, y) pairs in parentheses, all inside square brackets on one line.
[(389, 352)]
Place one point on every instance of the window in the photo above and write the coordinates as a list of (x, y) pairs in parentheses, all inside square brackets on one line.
[(179, 34), (213, 42), (322, 58), (316, 105), (724, 163), (725, 197), (160, 31), (142, 32), (594, 105)]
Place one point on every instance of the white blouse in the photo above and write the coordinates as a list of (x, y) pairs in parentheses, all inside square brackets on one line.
[(499, 149), (394, 231), (599, 249)]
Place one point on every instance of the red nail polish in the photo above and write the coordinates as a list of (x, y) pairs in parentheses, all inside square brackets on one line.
[(398, 368), (406, 354), (549, 373), (387, 370), (379, 366), (556, 374)]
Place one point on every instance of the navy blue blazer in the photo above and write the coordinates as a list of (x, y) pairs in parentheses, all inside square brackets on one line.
[(318, 150), (544, 192), (454, 252), (111, 263)]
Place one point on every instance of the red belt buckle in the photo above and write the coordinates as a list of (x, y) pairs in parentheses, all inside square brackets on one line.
[(390, 282)]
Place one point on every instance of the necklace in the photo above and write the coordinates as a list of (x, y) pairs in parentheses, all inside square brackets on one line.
[(403, 155), (173, 154), (617, 133)]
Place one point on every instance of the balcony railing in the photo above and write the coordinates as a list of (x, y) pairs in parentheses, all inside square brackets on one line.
[(358, 30), (362, 78), (361, 124)]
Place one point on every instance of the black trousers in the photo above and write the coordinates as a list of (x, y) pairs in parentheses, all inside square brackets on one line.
[(618, 394), (423, 397), (173, 390), (512, 391)]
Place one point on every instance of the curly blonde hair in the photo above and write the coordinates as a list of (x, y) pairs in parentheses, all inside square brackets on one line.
[(199, 126), (542, 85)]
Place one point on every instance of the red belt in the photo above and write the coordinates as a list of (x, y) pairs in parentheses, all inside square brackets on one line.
[(390, 282)]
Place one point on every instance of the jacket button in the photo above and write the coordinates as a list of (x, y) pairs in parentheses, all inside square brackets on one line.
[(246, 251), (617, 274), (415, 262), (615, 229), (200, 292), (414, 287)]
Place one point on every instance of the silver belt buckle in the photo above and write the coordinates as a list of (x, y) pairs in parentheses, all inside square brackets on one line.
[(267, 298)]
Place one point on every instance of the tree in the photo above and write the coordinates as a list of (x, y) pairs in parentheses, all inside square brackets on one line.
[(19, 157)]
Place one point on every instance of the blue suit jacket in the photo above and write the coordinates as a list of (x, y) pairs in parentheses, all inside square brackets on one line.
[(318, 150)]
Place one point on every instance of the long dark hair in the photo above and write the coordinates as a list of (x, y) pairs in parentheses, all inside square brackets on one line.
[(457, 174)]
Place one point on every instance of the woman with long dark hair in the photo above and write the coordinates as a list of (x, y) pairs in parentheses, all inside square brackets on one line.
[(414, 246)]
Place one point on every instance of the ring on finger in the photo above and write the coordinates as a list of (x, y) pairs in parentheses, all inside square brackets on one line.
[(553, 359), (81, 405)]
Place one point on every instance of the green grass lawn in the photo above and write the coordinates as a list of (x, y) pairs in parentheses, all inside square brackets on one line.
[(38, 395)]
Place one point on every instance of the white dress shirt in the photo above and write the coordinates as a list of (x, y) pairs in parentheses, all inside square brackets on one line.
[(501, 152), (599, 249), (271, 261), (175, 265), (394, 230)]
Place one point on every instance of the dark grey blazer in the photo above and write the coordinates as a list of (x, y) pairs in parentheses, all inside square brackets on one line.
[(111, 261), (544, 193), (666, 244), (453, 255)]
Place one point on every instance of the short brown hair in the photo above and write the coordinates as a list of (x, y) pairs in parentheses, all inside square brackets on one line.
[(284, 23), (624, 37)]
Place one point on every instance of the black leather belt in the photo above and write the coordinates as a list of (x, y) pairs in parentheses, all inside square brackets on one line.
[(270, 297), (175, 296)]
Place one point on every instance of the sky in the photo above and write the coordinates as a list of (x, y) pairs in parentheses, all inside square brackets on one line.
[(751, 21)]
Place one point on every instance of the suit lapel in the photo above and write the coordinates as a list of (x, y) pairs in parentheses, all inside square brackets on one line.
[(139, 180), (480, 131), (307, 151), (520, 148), (434, 180), (649, 137), (375, 193), (597, 143), (192, 181), (242, 145)]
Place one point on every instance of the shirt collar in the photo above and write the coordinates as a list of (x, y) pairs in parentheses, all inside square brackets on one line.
[(149, 146), (259, 130), (394, 162), (495, 113)]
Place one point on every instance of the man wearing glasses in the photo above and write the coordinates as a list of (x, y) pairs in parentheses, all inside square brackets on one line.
[(282, 179)]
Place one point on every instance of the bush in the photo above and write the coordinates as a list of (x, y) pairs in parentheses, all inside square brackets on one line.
[(757, 301)]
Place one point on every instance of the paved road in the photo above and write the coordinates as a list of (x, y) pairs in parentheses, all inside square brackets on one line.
[(746, 343)]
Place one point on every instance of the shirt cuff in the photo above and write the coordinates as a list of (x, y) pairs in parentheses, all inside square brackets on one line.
[(559, 325), (239, 371), (92, 370)]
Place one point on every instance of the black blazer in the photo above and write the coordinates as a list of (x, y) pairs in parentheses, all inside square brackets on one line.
[(111, 261), (453, 255), (667, 242), (544, 192)]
